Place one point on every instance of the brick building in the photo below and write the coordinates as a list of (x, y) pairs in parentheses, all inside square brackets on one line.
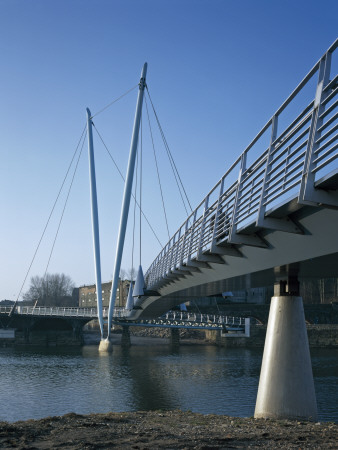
[(87, 294)]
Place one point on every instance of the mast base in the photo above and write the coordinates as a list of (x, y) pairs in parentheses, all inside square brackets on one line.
[(105, 346)]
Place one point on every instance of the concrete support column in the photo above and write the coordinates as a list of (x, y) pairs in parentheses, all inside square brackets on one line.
[(77, 331), (27, 335), (286, 387), (218, 339), (175, 337), (125, 339)]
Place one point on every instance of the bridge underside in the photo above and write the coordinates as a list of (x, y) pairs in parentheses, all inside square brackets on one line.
[(271, 218), (314, 253), (37, 323)]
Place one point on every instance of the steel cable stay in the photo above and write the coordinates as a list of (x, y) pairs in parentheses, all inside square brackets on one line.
[(123, 178), (139, 288), (177, 176), (82, 139), (157, 169), (136, 149), (65, 205), (114, 101)]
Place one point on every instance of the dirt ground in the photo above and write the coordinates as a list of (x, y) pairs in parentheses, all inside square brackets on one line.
[(165, 430)]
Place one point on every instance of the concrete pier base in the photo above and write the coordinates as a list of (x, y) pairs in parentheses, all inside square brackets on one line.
[(286, 388), (105, 346), (125, 339), (175, 337)]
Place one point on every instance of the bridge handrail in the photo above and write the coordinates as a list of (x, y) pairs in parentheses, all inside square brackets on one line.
[(271, 178), (203, 317), (59, 311), (182, 318)]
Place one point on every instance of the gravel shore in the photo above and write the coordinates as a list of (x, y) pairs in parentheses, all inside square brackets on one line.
[(165, 430)]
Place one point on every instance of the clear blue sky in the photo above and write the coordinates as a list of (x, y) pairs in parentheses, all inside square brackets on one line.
[(218, 69)]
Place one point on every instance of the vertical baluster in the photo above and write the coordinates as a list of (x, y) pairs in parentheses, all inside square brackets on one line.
[(202, 227), (262, 207), (308, 194), (217, 215), (191, 237)]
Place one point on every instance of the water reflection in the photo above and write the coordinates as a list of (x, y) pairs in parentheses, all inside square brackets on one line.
[(42, 382), (149, 387)]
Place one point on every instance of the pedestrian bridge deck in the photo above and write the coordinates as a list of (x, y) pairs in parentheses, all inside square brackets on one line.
[(172, 319), (276, 206)]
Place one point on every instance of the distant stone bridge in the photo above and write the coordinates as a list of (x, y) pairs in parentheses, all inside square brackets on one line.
[(46, 325), (64, 326)]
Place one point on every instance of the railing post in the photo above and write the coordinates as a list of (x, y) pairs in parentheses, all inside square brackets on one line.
[(172, 253), (183, 243), (177, 250), (191, 237), (308, 194), (247, 327), (200, 240), (262, 207), (234, 237), (217, 214)]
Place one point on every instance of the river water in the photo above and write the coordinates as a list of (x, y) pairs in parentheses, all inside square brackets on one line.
[(42, 382)]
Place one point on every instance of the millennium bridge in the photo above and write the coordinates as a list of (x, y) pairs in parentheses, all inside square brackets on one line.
[(270, 220)]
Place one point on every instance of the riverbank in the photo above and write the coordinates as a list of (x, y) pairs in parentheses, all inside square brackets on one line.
[(165, 430), (320, 336)]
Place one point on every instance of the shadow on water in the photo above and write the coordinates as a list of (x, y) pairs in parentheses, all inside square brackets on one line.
[(149, 388)]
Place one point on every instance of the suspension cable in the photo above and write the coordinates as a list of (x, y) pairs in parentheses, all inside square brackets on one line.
[(119, 171), (49, 217), (64, 208), (111, 156), (157, 169), (114, 101), (171, 163), (171, 159)]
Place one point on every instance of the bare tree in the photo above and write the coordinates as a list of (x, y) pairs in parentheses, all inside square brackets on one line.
[(131, 274), (123, 274), (49, 290)]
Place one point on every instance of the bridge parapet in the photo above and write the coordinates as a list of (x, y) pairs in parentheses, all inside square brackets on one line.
[(196, 321), (293, 162), (58, 311)]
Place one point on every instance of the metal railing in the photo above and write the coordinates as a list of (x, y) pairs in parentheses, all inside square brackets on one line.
[(172, 319), (206, 318), (177, 319), (59, 311), (289, 163)]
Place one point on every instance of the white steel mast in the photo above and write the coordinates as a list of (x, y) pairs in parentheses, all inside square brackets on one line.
[(95, 221), (126, 199)]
